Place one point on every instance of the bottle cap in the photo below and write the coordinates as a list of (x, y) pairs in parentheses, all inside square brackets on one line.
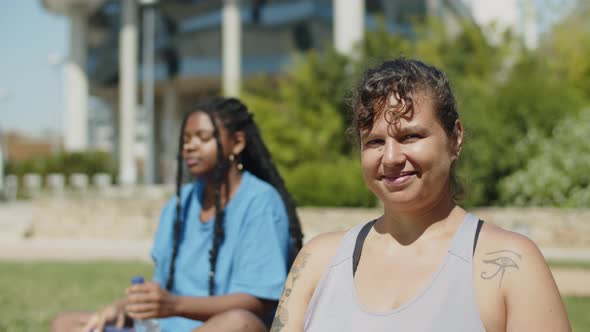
[(137, 280)]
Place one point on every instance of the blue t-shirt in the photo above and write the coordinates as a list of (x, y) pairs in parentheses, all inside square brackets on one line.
[(252, 257)]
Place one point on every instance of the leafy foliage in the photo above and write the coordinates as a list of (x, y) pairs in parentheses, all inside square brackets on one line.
[(338, 183), (568, 45), (557, 174), (507, 96), (529, 99)]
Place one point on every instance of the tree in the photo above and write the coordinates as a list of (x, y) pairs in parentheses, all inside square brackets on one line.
[(504, 94), (557, 174), (567, 45), (306, 119)]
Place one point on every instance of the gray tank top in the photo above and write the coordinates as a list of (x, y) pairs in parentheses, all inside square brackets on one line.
[(447, 303)]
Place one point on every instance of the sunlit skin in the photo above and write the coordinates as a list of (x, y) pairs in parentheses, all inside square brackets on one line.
[(199, 152), (199, 148), (403, 163)]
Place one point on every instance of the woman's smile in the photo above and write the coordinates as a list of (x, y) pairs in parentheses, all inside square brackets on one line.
[(399, 180)]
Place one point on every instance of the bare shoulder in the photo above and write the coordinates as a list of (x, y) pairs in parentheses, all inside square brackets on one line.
[(495, 240), (512, 267), (508, 258), (317, 253), (325, 242), (302, 280)]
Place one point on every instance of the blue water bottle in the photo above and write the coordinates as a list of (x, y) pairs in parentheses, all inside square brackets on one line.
[(144, 325)]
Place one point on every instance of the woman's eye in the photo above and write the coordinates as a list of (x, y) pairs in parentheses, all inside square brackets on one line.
[(205, 136), (374, 142), (411, 138)]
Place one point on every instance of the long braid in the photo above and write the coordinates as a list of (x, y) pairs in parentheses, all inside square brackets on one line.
[(257, 159), (261, 164), (220, 178), (178, 216)]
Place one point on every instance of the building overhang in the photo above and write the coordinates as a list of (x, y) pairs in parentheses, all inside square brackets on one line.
[(69, 7)]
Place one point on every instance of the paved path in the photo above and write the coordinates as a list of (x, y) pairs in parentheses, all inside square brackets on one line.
[(74, 249), (81, 249), (570, 281)]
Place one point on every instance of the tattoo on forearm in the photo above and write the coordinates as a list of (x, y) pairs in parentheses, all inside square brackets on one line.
[(282, 315), (498, 262), (297, 269)]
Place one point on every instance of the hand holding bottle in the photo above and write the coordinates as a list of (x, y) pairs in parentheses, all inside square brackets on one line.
[(146, 300)]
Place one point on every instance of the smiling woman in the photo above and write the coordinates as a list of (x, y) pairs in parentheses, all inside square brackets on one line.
[(401, 153), (426, 264)]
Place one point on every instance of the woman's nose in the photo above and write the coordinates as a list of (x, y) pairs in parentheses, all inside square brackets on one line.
[(191, 144), (393, 154)]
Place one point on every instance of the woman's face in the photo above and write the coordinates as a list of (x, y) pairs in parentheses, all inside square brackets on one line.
[(407, 164), (199, 149)]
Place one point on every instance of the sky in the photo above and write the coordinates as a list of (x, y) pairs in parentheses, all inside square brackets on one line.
[(31, 88), (31, 83)]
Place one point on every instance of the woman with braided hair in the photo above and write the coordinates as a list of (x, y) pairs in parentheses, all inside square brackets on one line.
[(225, 241)]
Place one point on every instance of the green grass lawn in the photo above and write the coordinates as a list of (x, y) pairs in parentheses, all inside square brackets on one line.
[(569, 264), (32, 293), (578, 308)]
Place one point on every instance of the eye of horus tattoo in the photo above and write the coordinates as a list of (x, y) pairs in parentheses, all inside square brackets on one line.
[(499, 262)]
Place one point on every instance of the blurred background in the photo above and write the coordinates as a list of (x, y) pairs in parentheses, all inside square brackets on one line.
[(92, 93)]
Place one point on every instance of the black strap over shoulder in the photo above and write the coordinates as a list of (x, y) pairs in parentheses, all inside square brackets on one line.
[(358, 246), (477, 230)]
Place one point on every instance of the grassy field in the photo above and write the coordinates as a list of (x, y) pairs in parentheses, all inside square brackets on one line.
[(577, 309), (32, 293), (569, 264)]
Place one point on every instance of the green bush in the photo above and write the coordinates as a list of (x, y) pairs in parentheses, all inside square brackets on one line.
[(557, 175), (505, 95), (338, 183), (66, 163)]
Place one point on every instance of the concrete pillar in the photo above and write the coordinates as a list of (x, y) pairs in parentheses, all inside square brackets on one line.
[(231, 48), (32, 183), (76, 87), (11, 187), (79, 181), (349, 25), (56, 183), (127, 92), (1, 169), (149, 37), (102, 181), (169, 131)]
